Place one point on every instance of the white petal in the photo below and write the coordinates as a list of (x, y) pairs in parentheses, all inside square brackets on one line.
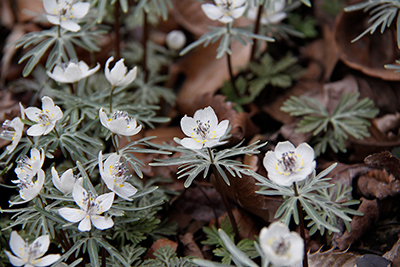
[(79, 194), (47, 103), (107, 70), (42, 244), (212, 11), (226, 19), (101, 222), (36, 130), (17, 244), (238, 12), (103, 118), (118, 126), (119, 71), (110, 162), (85, 224), (125, 190), (306, 152), (53, 19), (91, 71), (30, 193), (105, 202), (129, 78), (221, 128), (48, 128), (191, 143), (283, 147), (31, 113), (50, 6), (188, 124), (70, 25), (132, 130), (14, 260), (46, 260), (72, 215), (79, 10), (73, 73)]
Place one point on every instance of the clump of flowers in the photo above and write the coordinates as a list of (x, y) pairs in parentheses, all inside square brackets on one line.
[(29, 255), (45, 118), (65, 14), (71, 72), (203, 129)]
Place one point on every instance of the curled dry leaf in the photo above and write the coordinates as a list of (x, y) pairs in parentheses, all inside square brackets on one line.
[(190, 248), (394, 254), (333, 258), (378, 184), (371, 52), (385, 160), (162, 242)]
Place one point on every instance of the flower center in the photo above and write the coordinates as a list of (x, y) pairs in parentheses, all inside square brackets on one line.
[(34, 251), (202, 129), (279, 245), (44, 117), (118, 171), (9, 131), (24, 183), (289, 163), (121, 115)]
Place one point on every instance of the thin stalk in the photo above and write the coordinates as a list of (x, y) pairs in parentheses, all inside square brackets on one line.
[(103, 254), (114, 143), (302, 228), (117, 27), (230, 69), (218, 180), (256, 31), (144, 44), (111, 94)]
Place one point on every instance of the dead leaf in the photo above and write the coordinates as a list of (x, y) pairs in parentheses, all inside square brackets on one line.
[(371, 52), (385, 160), (332, 258), (160, 243), (360, 224), (372, 185), (190, 248), (394, 254)]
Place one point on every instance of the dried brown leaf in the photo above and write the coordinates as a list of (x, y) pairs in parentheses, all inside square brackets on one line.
[(190, 248), (385, 160)]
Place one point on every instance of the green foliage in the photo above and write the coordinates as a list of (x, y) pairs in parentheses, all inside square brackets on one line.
[(306, 25), (62, 43), (316, 198), (383, 13), (193, 162), (160, 7), (333, 7), (225, 34), (166, 257), (348, 119)]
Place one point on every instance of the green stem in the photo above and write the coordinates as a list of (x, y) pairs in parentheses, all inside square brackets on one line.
[(230, 69), (111, 95), (228, 208), (114, 144), (302, 228), (256, 31), (144, 43)]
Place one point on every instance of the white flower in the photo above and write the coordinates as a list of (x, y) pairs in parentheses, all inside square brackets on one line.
[(119, 123), (272, 14), (46, 118), (28, 188), (91, 207), (280, 246), (289, 164), (12, 131), (30, 255), (71, 72), (175, 40), (64, 13), (66, 183), (225, 10), (203, 129), (119, 75), (114, 175), (28, 167)]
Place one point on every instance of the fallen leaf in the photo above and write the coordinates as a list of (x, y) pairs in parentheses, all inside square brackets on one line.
[(394, 254), (190, 248), (163, 242), (385, 160)]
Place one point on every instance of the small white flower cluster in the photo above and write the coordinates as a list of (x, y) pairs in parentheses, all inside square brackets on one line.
[(272, 14)]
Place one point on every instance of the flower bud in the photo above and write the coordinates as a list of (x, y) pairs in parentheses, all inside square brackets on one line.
[(175, 40)]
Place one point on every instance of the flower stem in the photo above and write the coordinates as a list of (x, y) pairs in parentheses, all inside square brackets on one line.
[(144, 43), (114, 143), (111, 94), (302, 228), (230, 69), (117, 26), (256, 31), (228, 208)]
